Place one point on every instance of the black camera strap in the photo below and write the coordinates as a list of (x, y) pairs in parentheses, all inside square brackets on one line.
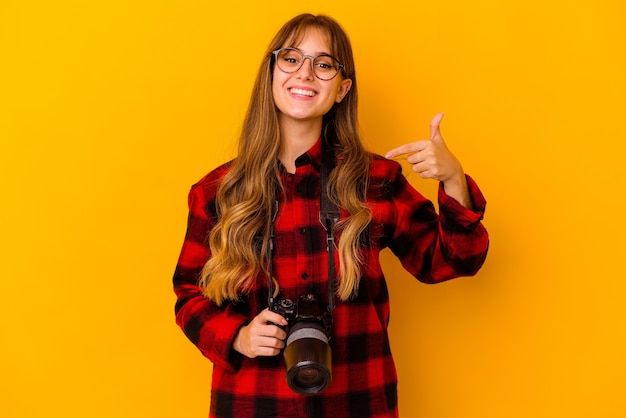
[(270, 284), (329, 216)]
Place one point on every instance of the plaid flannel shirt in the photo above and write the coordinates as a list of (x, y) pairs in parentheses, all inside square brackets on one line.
[(431, 247)]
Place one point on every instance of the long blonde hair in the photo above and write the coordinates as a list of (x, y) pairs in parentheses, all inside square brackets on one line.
[(239, 242)]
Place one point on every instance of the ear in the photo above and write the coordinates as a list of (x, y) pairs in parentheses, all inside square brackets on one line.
[(344, 88)]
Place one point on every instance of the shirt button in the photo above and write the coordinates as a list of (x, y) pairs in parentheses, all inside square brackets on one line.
[(302, 230), (305, 275)]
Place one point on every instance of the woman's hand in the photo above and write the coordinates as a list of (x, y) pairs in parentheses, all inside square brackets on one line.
[(262, 336), (432, 159)]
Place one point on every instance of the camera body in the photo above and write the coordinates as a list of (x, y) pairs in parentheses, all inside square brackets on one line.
[(307, 353)]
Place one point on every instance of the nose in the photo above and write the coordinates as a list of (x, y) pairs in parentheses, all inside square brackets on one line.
[(306, 71)]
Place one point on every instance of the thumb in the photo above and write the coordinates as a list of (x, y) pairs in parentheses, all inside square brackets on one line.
[(435, 133)]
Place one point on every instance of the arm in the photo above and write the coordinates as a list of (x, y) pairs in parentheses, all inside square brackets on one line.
[(218, 332), (435, 247), (211, 328)]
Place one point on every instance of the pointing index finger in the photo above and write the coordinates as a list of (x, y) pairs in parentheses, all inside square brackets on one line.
[(403, 149)]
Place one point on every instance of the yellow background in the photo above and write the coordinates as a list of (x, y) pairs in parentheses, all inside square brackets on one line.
[(109, 111)]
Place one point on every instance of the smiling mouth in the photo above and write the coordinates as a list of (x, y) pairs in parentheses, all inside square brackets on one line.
[(300, 92)]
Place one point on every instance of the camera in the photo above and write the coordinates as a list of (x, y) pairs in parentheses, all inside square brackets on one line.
[(307, 353)]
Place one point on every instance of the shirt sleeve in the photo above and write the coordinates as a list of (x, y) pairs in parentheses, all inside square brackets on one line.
[(438, 247), (211, 328)]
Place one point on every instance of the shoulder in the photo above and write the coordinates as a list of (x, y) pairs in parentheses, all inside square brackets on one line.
[(383, 169), (205, 189), (213, 178), (383, 180)]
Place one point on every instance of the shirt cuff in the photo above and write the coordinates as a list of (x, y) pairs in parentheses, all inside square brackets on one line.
[(222, 351), (453, 211)]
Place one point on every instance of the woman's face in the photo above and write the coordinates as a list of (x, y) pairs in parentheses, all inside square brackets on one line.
[(301, 96)]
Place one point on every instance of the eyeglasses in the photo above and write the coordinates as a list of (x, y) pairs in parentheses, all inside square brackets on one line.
[(290, 60)]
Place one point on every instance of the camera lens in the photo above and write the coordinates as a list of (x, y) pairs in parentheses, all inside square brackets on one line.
[(307, 375), (308, 359), (308, 378)]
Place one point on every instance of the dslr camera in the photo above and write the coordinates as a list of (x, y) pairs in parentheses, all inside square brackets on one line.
[(307, 353)]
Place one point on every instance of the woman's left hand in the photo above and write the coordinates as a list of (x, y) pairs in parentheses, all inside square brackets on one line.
[(432, 159)]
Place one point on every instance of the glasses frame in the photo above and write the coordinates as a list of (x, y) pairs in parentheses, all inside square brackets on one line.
[(304, 57)]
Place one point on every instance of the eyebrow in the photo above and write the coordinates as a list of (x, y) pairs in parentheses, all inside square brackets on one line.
[(317, 54)]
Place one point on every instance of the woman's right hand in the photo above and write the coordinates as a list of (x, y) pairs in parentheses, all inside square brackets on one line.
[(262, 336)]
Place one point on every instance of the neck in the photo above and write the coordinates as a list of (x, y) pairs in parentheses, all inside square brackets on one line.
[(296, 139)]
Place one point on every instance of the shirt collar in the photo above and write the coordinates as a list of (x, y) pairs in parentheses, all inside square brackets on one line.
[(312, 156)]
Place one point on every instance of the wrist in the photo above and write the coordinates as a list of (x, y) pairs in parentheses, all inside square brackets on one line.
[(456, 187), (237, 346)]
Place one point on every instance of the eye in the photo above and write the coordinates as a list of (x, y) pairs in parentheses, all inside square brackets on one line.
[(325, 63), (291, 56)]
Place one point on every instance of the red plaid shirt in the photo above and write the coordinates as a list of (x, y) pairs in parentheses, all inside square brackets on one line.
[(432, 247)]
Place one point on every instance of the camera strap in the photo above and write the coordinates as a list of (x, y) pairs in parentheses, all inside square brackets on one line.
[(329, 216)]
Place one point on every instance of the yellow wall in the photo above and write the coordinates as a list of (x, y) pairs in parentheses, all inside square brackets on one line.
[(109, 111)]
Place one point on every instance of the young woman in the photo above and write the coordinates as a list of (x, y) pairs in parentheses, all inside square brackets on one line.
[(258, 216)]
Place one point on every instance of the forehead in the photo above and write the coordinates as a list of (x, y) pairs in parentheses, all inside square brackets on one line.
[(309, 36)]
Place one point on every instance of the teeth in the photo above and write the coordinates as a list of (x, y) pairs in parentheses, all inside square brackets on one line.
[(301, 92)]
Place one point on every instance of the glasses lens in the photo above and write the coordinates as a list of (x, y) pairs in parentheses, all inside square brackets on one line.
[(326, 67), (290, 60)]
